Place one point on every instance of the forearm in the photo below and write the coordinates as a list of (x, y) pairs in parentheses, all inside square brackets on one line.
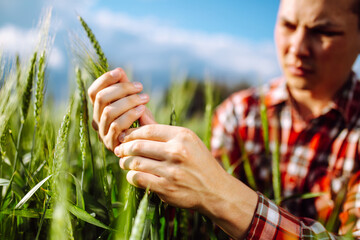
[(232, 208)]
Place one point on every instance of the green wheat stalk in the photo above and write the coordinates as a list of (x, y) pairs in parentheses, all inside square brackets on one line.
[(39, 94), (25, 105), (127, 214), (83, 126), (61, 227), (265, 125), (183, 222), (247, 167), (18, 71), (105, 185), (180, 88), (209, 109), (99, 69), (276, 177), (103, 60), (3, 141), (332, 223), (28, 88), (46, 207), (151, 220), (61, 143), (139, 222), (103, 66), (38, 102), (8, 105), (276, 173)]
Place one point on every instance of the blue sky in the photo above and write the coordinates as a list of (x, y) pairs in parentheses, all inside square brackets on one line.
[(231, 40), (250, 19)]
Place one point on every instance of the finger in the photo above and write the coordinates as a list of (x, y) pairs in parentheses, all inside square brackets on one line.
[(118, 108), (155, 132), (105, 80), (143, 180), (111, 139), (142, 164), (95, 125), (113, 93), (147, 118), (144, 148)]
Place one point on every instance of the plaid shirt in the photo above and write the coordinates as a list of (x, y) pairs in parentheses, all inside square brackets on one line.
[(316, 156)]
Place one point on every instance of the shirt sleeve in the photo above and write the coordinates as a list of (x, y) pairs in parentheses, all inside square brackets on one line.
[(273, 222)]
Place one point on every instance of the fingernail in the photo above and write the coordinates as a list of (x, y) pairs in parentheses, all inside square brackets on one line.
[(143, 96), (140, 108), (137, 85), (117, 151), (115, 73), (121, 162), (121, 137)]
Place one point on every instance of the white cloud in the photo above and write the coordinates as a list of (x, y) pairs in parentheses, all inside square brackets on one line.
[(65, 5), (220, 51), (56, 59), (15, 40)]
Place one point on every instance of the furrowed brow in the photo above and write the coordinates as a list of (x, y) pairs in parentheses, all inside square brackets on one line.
[(324, 24), (283, 19)]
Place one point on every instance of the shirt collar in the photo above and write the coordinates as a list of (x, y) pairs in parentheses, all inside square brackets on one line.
[(346, 101), (276, 92)]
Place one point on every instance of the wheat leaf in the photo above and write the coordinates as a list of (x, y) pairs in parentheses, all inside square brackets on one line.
[(304, 196), (28, 213), (85, 216), (31, 192), (4, 182), (79, 196)]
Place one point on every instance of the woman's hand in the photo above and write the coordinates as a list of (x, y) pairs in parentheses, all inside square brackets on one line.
[(174, 163), (117, 104)]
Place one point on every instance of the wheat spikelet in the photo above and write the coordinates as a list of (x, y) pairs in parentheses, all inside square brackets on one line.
[(18, 71), (139, 222), (103, 61), (61, 142), (8, 102), (83, 119), (28, 88), (61, 227), (39, 94), (3, 142)]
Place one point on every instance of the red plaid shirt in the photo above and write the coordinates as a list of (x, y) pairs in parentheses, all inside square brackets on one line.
[(321, 155)]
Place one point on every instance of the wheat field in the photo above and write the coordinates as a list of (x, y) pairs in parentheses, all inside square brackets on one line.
[(57, 179)]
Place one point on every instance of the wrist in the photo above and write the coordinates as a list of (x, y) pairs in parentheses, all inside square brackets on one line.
[(232, 206)]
